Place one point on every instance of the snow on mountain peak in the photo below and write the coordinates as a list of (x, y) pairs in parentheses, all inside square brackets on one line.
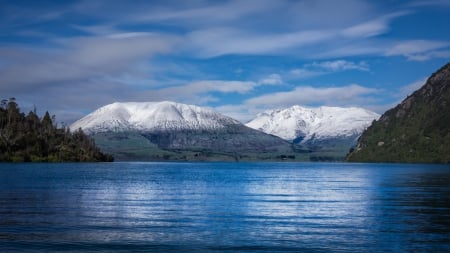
[(151, 116), (307, 122)]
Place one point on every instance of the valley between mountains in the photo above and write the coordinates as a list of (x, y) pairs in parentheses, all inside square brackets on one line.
[(169, 131)]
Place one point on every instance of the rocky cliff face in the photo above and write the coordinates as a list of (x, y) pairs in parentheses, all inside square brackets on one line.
[(416, 130)]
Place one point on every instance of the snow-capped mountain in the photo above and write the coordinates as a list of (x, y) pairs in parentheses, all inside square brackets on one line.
[(304, 124), (173, 131), (152, 116)]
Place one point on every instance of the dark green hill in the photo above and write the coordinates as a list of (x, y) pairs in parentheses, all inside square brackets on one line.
[(233, 143), (28, 138), (417, 130)]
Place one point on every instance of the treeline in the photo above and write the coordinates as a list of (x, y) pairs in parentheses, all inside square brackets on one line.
[(28, 138)]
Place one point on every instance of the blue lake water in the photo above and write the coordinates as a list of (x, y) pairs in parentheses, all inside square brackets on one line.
[(224, 207)]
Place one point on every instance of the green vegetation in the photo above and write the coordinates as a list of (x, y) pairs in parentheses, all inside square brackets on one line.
[(192, 146), (417, 130), (28, 138), (208, 146)]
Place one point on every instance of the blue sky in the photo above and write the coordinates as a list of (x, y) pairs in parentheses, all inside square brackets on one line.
[(238, 57)]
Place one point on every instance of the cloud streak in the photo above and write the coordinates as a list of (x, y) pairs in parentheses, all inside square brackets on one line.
[(221, 41), (308, 95), (327, 67), (340, 65), (78, 59), (419, 50), (202, 91)]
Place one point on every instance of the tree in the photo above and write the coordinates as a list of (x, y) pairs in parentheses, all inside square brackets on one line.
[(29, 138)]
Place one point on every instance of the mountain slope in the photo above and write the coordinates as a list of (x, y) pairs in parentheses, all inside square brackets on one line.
[(416, 130), (314, 126), (152, 116), (173, 131)]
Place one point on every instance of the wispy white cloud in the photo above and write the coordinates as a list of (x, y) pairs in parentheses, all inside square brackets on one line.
[(222, 86), (272, 79), (200, 92), (413, 50), (304, 95), (221, 41), (327, 67), (444, 54), (374, 27), (359, 37), (367, 29), (205, 13), (251, 27), (82, 73), (79, 59), (248, 14), (97, 30), (339, 65), (354, 48), (418, 49), (304, 73), (209, 29)]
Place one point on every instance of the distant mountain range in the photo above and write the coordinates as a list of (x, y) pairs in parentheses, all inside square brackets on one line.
[(314, 128), (417, 130), (174, 131)]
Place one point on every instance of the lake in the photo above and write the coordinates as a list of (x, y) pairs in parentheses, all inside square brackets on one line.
[(224, 207)]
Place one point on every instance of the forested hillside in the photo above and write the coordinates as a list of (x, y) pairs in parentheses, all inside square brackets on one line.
[(417, 130), (29, 138)]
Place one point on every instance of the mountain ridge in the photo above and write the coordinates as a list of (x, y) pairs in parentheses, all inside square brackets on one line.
[(416, 130), (161, 129), (305, 125), (173, 131)]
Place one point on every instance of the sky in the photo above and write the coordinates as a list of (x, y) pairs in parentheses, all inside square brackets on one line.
[(238, 57)]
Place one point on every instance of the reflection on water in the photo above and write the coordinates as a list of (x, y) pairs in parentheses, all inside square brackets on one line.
[(245, 207)]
